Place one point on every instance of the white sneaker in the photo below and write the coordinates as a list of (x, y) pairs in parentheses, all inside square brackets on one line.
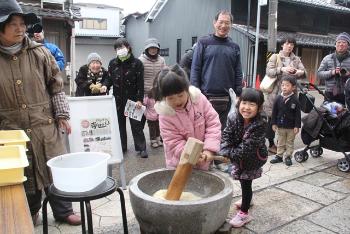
[(238, 203), (240, 219), (160, 143), (154, 144), (222, 167)]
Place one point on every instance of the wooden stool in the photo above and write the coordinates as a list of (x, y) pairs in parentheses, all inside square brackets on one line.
[(104, 189)]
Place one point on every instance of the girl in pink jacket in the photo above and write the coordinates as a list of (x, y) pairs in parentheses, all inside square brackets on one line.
[(184, 112), (152, 120)]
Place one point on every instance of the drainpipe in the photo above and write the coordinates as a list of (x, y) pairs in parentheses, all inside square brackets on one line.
[(257, 32)]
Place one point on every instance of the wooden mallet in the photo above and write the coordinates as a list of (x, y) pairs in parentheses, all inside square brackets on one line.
[(189, 158)]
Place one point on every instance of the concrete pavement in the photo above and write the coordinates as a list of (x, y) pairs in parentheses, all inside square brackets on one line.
[(309, 197)]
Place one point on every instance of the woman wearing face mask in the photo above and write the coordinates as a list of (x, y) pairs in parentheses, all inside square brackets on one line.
[(126, 76)]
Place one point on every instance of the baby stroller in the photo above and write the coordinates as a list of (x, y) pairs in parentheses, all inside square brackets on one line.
[(330, 128)]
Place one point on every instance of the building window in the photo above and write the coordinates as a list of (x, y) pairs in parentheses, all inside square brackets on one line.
[(178, 50), (194, 40), (90, 23), (164, 52), (53, 37)]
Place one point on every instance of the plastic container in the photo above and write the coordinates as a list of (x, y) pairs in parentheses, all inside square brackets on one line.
[(13, 159), (79, 172), (13, 137)]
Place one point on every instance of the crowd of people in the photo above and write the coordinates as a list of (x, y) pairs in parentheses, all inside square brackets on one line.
[(180, 103)]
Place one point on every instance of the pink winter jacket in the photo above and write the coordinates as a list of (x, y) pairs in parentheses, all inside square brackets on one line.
[(198, 120), (150, 112)]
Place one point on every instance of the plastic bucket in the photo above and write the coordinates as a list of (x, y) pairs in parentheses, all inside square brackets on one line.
[(79, 172)]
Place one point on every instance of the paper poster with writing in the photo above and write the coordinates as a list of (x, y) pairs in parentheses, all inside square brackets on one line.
[(96, 135), (132, 112)]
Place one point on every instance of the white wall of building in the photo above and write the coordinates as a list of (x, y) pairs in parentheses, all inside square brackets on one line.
[(112, 14)]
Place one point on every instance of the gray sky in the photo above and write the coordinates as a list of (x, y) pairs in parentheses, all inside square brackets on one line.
[(129, 6)]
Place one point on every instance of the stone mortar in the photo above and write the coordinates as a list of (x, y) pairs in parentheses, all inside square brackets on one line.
[(161, 216)]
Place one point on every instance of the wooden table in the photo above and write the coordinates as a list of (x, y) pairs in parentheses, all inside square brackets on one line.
[(14, 211)]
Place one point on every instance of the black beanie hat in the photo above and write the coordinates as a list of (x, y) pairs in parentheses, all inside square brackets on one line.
[(11, 7)]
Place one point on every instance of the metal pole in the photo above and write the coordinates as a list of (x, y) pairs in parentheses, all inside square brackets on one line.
[(248, 17), (247, 70), (72, 83), (72, 53), (272, 26), (256, 43)]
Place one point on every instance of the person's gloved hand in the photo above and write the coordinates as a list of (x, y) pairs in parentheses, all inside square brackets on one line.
[(95, 88), (103, 89), (92, 86)]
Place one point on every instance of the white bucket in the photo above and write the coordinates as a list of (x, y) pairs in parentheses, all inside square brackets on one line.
[(79, 172)]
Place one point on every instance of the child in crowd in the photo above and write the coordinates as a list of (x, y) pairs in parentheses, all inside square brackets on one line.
[(184, 112), (243, 142), (152, 120), (286, 120)]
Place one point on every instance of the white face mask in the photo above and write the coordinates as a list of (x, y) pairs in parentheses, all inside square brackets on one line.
[(123, 52)]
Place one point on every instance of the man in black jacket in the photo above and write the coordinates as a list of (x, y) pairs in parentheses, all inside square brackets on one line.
[(186, 60), (286, 120)]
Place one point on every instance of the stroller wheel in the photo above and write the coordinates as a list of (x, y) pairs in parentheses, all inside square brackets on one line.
[(343, 165), (299, 156), (316, 152)]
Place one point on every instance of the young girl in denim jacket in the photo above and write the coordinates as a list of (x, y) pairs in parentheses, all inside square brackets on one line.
[(243, 142), (184, 112)]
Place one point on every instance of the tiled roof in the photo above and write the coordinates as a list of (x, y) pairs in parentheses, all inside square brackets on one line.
[(82, 34), (96, 5), (50, 13), (320, 4), (307, 39)]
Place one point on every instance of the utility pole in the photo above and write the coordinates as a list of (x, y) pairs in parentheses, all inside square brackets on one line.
[(272, 26), (257, 32)]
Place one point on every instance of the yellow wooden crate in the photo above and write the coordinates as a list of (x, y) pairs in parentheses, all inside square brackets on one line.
[(13, 137), (13, 159)]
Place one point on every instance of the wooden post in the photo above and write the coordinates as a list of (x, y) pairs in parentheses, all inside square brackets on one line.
[(14, 211), (189, 158)]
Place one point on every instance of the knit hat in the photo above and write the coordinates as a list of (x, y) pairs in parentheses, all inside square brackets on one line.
[(93, 57), (11, 7), (151, 42), (343, 36)]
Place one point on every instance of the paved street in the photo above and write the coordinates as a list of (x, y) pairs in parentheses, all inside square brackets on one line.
[(309, 197)]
